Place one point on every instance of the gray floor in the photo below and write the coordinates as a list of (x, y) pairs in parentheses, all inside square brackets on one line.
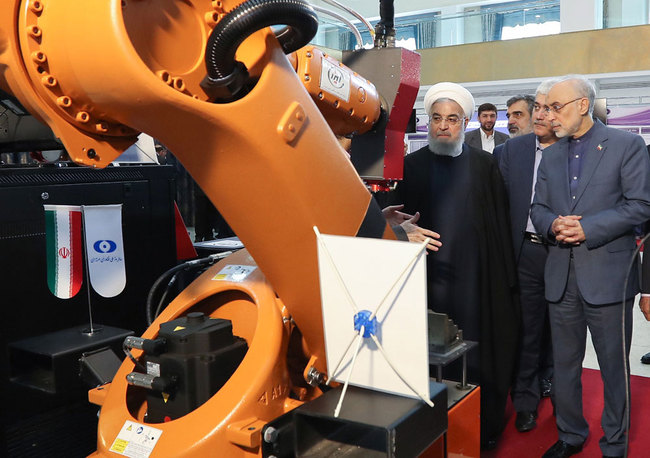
[(640, 346)]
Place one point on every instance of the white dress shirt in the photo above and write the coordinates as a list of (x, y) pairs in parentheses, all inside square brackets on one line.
[(487, 143), (538, 158)]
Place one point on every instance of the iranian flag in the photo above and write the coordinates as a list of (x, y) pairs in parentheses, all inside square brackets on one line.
[(64, 250)]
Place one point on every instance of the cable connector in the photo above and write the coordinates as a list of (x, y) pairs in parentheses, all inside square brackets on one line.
[(228, 87), (149, 346), (384, 36)]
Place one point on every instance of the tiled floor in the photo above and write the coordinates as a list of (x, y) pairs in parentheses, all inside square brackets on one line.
[(640, 346)]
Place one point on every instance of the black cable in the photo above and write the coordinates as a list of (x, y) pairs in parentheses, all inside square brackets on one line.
[(202, 262), (156, 285), (249, 17), (254, 15), (387, 13), (164, 296), (385, 28), (137, 363), (625, 356)]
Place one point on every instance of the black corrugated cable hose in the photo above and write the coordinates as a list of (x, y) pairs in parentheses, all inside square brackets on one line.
[(192, 264), (387, 13), (247, 18)]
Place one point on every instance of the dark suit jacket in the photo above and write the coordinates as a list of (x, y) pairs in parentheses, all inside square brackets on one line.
[(498, 150), (517, 163), (498, 310), (473, 138), (613, 197)]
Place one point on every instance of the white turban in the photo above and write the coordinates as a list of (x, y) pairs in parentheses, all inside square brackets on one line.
[(451, 91)]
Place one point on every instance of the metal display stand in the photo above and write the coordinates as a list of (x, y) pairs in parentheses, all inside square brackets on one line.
[(440, 360)]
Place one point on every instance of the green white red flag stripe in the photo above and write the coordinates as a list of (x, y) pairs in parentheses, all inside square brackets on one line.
[(64, 249)]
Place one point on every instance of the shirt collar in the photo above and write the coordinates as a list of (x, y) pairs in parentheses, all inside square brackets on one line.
[(484, 135), (584, 137)]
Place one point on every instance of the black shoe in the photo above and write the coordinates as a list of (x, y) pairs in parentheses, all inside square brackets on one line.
[(525, 421), (645, 359), (545, 386), (562, 449)]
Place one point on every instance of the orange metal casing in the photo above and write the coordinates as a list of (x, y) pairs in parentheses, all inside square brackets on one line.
[(355, 108), (100, 72), (231, 421), (464, 431)]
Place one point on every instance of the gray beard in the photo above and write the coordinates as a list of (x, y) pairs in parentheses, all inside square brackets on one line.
[(452, 149)]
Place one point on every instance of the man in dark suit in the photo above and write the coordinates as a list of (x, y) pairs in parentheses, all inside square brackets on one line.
[(520, 118), (518, 161), (460, 194), (593, 188), (486, 137), (520, 114)]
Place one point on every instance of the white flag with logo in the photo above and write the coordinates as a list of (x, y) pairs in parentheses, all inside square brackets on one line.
[(105, 248)]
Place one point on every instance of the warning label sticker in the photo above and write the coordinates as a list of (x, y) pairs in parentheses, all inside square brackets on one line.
[(135, 440), (234, 273)]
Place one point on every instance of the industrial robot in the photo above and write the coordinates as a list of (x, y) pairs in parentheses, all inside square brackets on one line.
[(243, 105)]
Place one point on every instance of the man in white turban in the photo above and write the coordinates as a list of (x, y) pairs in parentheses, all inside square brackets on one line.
[(460, 195)]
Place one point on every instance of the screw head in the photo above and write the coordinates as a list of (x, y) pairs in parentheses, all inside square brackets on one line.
[(270, 434)]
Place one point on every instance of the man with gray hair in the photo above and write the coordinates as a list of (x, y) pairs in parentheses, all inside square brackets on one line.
[(460, 195), (593, 189), (520, 115), (519, 159)]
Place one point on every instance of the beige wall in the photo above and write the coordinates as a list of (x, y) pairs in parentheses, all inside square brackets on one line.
[(596, 51)]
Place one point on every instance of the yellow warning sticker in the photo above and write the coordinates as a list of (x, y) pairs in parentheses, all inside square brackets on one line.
[(136, 440), (179, 328), (235, 273), (165, 397), (119, 446)]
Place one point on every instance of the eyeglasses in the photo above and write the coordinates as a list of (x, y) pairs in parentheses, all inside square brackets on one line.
[(556, 107), (452, 120)]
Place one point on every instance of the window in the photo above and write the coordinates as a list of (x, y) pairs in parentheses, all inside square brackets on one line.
[(506, 21), (411, 32)]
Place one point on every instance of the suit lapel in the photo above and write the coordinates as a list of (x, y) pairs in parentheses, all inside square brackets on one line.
[(523, 187), (590, 162), (528, 167)]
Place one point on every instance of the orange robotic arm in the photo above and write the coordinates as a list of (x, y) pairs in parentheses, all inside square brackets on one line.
[(100, 73)]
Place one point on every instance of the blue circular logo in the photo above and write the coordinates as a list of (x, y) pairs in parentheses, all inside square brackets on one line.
[(104, 246)]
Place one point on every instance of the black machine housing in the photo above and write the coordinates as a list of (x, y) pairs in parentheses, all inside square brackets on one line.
[(200, 355)]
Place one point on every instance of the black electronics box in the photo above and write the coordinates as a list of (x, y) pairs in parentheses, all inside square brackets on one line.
[(201, 355), (51, 362), (370, 424)]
